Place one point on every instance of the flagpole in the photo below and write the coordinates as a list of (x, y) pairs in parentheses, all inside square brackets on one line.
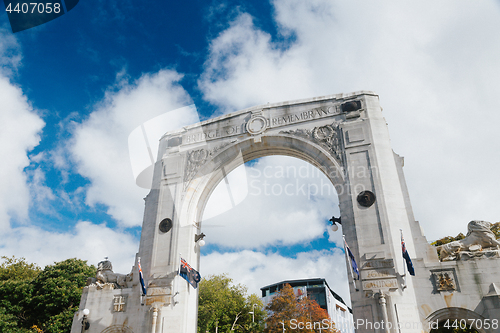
[(179, 263), (350, 264)]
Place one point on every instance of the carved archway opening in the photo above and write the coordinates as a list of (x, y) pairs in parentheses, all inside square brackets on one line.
[(247, 151), (208, 177)]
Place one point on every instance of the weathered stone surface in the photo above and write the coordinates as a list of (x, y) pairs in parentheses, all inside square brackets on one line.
[(345, 136), (480, 241)]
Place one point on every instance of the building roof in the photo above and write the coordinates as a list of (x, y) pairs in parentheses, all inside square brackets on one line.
[(307, 282)]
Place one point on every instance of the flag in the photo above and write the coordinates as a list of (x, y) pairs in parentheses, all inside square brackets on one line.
[(351, 257), (406, 256), (189, 273), (141, 278)]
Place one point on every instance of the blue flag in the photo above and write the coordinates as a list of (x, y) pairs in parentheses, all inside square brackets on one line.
[(406, 256), (352, 260), (189, 273)]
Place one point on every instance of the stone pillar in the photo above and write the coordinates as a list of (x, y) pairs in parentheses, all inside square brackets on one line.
[(383, 309), (374, 209)]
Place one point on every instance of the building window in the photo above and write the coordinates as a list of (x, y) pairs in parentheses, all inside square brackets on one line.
[(341, 311), (119, 303), (318, 294)]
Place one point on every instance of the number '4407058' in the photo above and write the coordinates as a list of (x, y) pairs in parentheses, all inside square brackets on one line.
[(34, 7), (472, 323)]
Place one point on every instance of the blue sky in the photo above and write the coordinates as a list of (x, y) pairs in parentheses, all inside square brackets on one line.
[(72, 90)]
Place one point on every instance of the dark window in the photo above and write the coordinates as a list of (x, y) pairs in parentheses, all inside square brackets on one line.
[(318, 294)]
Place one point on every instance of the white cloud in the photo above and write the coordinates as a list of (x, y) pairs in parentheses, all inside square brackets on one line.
[(10, 54), (87, 241), (19, 133), (256, 270), (435, 67), (244, 53), (288, 202), (100, 143), (40, 193)]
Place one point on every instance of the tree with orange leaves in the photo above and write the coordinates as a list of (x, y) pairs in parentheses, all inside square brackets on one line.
[(288, 312)]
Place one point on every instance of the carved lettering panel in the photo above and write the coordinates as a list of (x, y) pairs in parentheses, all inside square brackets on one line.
[(287, 119), (385, 263), (376, 285), (377, 274)]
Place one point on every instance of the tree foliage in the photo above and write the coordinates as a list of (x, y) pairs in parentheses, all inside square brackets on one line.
[(35, 300), (226, 307), (287, 311), (495, 228), (448, 239), (17, 269)]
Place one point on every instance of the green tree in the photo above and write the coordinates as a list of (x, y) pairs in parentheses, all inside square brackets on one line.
[(35, 300), (15, 293), (287, 310), (17, 269), (56, 294), (224, 307)]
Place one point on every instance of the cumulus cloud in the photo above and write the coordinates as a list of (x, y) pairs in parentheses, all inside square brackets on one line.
[(10, 53), (256, 270), (87, 241), (20, 127), (433, 65), (288, 201), (99, 144)]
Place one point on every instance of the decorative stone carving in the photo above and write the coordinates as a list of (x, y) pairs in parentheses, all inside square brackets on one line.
[(120, 303), (256, 125), (304, 133), (328, 136), (198, 157), (479, 242), (106, 278), (444, 280)]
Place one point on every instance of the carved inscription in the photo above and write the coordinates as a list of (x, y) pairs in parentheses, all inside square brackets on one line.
[(380, 284), (211, 134), (377, 274), (386, 263), (305, 115)]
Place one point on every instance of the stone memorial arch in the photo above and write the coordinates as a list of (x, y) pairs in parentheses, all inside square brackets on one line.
[(346, 137)]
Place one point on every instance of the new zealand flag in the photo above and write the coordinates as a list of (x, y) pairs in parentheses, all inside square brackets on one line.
[(406, 256), (189, 273)]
